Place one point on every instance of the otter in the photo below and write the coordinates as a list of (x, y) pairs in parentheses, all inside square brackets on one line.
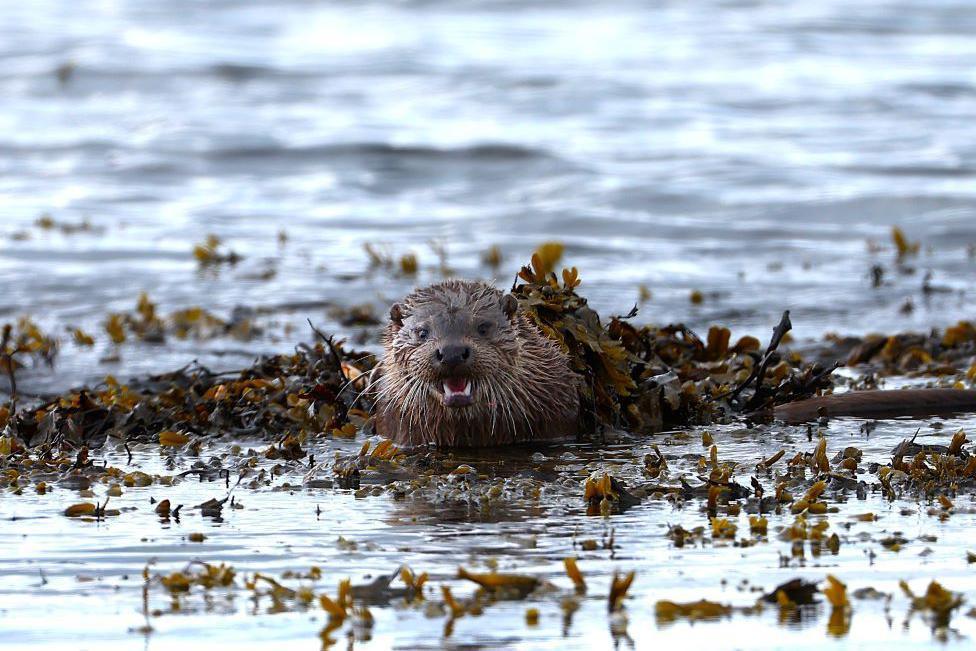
[(464, 366)]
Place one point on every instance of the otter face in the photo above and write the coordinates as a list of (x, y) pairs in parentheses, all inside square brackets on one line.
[(462, 366), (451, 343)]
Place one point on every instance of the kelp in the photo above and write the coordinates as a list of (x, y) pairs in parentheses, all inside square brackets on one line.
[(348, 604), (47, 222), (944, 353), (606, 494), (508, 584), (667, 612), (282, 397), (212, 252), (639, 379), (22, 341), (643, 379), (619, 585), (147, 325), (937, 604)]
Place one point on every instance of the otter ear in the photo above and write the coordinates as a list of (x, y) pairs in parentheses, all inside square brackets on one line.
[(396, 315), (509, 305)]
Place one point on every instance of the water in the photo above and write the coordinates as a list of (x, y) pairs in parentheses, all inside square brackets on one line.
[(743, 148), (749, 150), (86, 575)]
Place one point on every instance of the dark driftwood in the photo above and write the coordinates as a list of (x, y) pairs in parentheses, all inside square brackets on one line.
[(759, 370), (879, 404)]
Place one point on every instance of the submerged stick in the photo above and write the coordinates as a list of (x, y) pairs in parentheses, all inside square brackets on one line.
[(879, 404), (329, 341)]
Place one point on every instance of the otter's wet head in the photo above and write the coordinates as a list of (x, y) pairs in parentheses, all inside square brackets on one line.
[(454, 342), (463, 367)]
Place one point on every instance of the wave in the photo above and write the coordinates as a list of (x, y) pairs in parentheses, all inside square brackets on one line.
[(488, 152)]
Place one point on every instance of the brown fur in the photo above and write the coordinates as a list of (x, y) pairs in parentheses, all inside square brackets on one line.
[(879, 404), (522, 386)]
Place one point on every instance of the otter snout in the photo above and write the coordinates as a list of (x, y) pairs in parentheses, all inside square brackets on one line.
[(451, 362), (452, 358)]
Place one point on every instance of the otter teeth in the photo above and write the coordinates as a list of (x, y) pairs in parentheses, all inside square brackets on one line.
[(451, 391), (457, 392)]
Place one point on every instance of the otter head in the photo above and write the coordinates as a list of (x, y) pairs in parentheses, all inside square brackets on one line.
[(451, 339)]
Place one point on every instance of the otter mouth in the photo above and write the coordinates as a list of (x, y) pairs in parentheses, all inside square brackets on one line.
[(457, 392)]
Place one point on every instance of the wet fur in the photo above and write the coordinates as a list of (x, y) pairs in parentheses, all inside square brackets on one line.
[(522, 385)]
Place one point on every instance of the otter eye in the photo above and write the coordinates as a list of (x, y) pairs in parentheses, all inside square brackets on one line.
[(422, 333), (484, 328)]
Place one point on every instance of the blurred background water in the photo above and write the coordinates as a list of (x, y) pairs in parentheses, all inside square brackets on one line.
[(746, 149)]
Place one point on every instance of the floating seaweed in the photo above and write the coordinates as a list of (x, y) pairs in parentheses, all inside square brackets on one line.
[(701, 610), (642, 379), (937, 604), (282, 396), (211, 252)]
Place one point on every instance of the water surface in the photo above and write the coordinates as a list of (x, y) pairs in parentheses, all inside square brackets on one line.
[(745, 149), (750, 150)]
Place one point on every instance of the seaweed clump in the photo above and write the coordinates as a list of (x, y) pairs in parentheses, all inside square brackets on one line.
[(643, 379), (638, 379), (934, 354), (285, 397)]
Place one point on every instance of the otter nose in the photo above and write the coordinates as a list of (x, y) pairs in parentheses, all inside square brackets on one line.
[(453, 356)]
